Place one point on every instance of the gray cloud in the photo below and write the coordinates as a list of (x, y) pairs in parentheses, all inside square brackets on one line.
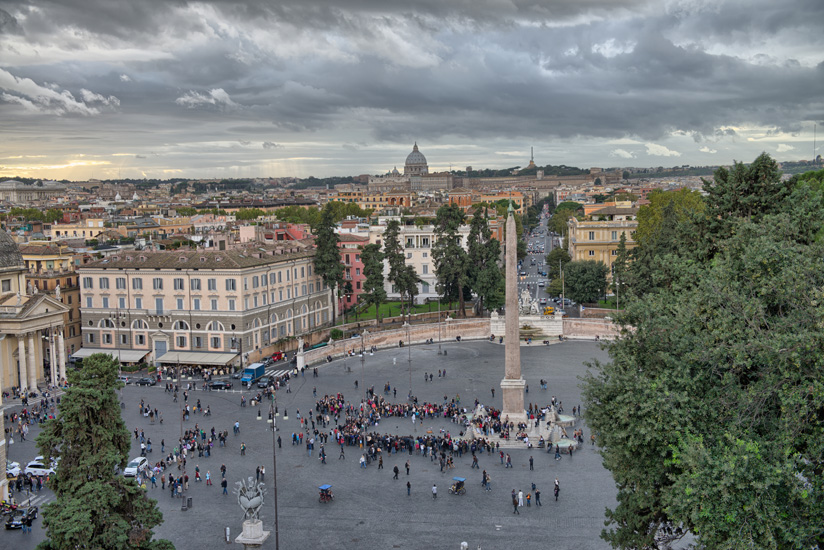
[(477, 76)]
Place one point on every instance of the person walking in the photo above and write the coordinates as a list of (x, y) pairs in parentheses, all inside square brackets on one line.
[(396, 470), (363, 461), (531, 466), (257, 474), (224, 484), (557, 489), (508, 461), (515, 505), (407, 467), (263, 473), (208, 478), (242, 449), (538, 498), (434, 491), (408, 489), (475, 462), (163, 482), (520, 498)]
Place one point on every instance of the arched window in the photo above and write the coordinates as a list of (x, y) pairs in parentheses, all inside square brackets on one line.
[(274, 318), (257, 323), (215, 326), (180, 325), (106, 323), (140, 324)]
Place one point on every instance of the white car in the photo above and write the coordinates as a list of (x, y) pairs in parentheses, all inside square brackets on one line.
[(12, 469), (39, 467), (136, 466)]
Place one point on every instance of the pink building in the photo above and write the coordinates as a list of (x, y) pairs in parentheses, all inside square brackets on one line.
[(350, 255)]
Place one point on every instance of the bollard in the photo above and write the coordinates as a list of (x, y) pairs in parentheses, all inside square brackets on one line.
[(189, 502), (228, 536)]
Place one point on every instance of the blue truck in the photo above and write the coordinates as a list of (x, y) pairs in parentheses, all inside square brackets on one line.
[(252, 373)]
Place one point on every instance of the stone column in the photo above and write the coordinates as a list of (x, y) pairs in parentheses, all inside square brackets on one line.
[(512, 386), (32, 363), (22, 358), (52, 356), (61, 352)]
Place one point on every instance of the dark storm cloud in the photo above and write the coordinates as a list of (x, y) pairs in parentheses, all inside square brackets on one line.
[(376, 71)]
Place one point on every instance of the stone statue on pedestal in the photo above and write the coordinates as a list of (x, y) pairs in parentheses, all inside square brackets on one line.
[(250, 497)]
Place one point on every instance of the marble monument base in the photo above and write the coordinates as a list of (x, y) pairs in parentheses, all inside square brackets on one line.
[(513, 396), (253, 534)]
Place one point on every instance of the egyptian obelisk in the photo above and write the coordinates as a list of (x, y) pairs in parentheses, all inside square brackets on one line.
[(512, 386)]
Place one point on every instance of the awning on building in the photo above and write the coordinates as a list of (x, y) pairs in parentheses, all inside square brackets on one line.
[(196, 358), (124, 355)]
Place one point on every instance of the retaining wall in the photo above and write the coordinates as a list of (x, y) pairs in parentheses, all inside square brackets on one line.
[(467, 329)]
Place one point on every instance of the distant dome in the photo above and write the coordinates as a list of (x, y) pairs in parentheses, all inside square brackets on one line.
[(135, 197), (117, 197), (9, 252), (415, 163), (395, 171)]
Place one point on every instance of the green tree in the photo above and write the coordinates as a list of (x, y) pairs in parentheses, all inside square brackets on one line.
[(327, 255), (186, 210), (585, 280), (620, 267), (686, 204), (625, 175), (747, 192), (374, 292), (393, 254), (249, 213), (564, 211), (94, 507), (485, 276), (555, 287), (451, 260), (715, 379), (556, 260)]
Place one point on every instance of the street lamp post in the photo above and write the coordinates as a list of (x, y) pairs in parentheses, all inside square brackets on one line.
[(409, 355), (183, 506), (439, 326), (274, 464)]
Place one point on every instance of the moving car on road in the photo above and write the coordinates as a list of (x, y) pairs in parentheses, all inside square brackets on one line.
[(146, 382), (220, 385), (39, 467), (136, 466)]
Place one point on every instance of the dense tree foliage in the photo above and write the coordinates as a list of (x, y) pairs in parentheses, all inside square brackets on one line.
[(312, 216), (246, 214), (558, 222), (585, 280), (94, 507), (556, 260), (485, 276), (710, 412), (402, 276), (450, 258), (33, 214), (374, 292), (327, 255)]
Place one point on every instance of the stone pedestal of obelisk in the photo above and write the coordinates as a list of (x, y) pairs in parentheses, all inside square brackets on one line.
[(512, 386)]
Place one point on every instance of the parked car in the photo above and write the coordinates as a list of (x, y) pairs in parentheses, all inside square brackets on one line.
[(220, 385), (39, 467), (146, 382), (124, 379), (18, 516), (136, 466), (263, 382), (12, 469)]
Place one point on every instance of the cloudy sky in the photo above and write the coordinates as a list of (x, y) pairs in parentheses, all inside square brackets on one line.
[(226, 88)]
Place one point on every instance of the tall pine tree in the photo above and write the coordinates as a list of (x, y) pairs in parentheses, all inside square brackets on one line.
[(393, 255), (327, 255), (451, 261), (374, 292), (485, 276), (94, 507)]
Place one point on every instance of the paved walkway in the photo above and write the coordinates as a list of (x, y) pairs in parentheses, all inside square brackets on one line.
[(371, 509)]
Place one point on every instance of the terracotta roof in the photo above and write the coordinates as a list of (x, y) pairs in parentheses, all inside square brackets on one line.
[(351, 237), (204, 259)]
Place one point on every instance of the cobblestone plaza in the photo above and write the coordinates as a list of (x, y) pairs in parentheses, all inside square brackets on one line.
[(371, 509)]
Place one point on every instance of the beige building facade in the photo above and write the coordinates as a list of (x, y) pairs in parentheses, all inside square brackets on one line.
[(179, 305), (597, 237)]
